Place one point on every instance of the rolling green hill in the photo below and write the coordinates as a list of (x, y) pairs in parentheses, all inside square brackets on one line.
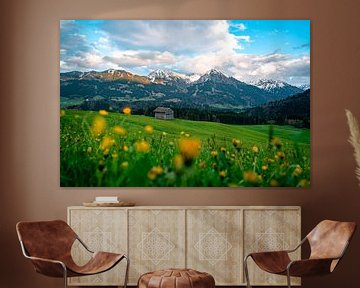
[(217, 162), (253, 134)]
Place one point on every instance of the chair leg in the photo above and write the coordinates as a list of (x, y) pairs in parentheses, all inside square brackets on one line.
[(65, 276), (288, 278), (126, 271), (246, 270)]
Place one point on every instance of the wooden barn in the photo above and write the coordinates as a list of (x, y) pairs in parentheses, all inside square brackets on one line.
[(164, 113)]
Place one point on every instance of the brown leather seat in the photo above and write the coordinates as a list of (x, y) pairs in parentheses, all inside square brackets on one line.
[(176, 278), (328, 242), (48, 245)]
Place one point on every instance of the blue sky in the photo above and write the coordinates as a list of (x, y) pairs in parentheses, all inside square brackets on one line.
[(248, 50)]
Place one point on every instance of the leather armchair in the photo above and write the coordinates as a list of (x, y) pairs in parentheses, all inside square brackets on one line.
[(48, 245), (328, 242)]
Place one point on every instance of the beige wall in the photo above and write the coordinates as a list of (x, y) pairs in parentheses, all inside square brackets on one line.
[(29, 122)]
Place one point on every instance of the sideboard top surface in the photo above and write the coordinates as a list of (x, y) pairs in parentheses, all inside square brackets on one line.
[(193, 207)]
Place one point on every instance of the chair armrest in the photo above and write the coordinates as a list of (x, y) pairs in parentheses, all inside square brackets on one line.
[(309, 267), (268, 253), (83, 244), (49, 267)]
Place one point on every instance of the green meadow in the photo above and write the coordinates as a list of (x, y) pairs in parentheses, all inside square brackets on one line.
[(100, 149)]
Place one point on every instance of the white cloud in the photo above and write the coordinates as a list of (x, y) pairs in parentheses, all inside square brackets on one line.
[(185, 46), (243, 38), (132, 58), (174, 36), (239, 26), (247, 67)]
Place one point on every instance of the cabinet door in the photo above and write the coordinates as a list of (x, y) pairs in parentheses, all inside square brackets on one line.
[(101, 230), (156, 240), (271, 230), (214, 244)]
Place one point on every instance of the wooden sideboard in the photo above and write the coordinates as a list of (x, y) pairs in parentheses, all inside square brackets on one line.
[(212, 239)]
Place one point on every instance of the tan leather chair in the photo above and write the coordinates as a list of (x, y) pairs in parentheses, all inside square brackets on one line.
[(328, 242), (48, 245)]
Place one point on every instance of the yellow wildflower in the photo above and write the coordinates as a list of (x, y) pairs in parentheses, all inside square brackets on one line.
[(62, 113), (298, 170), (103, 112), (251, 177), (151, 175), (164, 133), (89, 150), (202, 164), (158, 170), (127, 110), (222, 174), (303, 183), (274, 183), (280, 154), (276, 142), (154, 172), (214, 153), (187, 135), (264, 167), (149, 129), (119, 130), (124, 165), (98, 126), (106, 143), (178, 162), (255, 149), (236, 143), (115, 155), (142, 146), (223, 149), (189, 149), (171, 143), (182, 133), (125, 148)]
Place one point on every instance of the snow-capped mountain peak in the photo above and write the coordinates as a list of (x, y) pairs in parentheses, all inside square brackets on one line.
[(215, 76), (269, 84), (214, 71), (164, 75), (193, 77), (304, 87), (278, 88), (168, 75)]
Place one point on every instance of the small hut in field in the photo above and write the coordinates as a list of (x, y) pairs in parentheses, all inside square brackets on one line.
[(164, 113)]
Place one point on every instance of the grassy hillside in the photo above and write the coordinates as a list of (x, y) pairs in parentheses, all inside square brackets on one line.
[(114, 150)]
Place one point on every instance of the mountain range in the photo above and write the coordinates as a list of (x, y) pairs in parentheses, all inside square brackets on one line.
[(214, 89), (293, 110)]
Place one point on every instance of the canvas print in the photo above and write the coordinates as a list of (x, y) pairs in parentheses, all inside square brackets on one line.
[(184, 103)]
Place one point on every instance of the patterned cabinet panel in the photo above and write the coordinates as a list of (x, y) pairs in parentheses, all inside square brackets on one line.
[(269, 230), (156, 240), (214, 244), (101, 230)]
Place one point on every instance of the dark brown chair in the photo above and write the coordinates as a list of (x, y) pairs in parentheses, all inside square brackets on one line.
[(48, 245), (328, 242)]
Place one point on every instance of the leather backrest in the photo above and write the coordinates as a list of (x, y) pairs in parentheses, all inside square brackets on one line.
[(46, 239), (329, 238)]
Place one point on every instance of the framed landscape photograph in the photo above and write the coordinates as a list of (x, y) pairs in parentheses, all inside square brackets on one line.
[(184, 103)]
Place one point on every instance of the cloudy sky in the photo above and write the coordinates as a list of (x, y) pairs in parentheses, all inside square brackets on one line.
[(245, 49)]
